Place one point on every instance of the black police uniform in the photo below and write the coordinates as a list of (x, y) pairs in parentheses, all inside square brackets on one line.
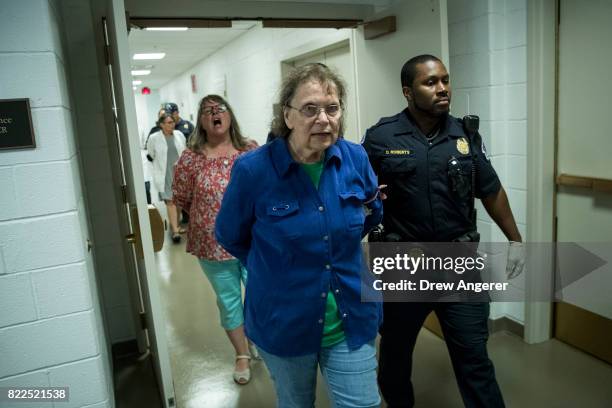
[(185, 127), (422, 206)]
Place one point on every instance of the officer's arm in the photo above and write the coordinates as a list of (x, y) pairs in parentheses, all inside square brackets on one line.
[(373, 198), (498, 207), (150, 150), (371, 151)]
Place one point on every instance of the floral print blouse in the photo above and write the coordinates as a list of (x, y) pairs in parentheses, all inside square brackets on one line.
[(199, 185)]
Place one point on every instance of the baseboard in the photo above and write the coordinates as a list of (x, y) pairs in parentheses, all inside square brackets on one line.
[(124, 349), (506, 324)]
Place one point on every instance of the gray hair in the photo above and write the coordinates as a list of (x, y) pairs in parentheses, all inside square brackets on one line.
[(162, 118), (299, 76)]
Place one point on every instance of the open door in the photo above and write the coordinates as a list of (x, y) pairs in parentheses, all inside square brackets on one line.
[(139, 235)]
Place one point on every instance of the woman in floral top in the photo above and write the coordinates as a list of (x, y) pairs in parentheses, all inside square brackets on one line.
[(201, 177)]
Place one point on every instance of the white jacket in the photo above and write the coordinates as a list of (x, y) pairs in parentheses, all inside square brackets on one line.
[(158, 150)]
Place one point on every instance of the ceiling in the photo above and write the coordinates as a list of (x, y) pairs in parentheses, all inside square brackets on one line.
[(382, 3), (183, 49)]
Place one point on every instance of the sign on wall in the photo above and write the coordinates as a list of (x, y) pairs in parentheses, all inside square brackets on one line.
[(16, 130), (194, 84)]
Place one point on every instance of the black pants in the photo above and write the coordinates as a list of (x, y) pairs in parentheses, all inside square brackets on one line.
[(465, 330), (148, 191)]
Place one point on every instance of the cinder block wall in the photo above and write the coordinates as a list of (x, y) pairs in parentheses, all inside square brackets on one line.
[(488, 67), (51, 331)]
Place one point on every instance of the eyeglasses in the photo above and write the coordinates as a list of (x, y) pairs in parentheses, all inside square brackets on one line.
[(211, 110), (310, 111)]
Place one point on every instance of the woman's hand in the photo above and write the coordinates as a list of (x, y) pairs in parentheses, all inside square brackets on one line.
[(380, 188), (379, 192)]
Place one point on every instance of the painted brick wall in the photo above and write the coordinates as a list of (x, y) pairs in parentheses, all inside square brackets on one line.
[(50, 325), (488, 66)]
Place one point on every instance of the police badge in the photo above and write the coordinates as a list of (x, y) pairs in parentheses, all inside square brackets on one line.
[(463, 146)]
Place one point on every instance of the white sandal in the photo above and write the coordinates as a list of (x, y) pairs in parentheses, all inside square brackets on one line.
[(244, 376)]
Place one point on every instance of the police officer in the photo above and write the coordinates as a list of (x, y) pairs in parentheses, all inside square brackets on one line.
[(434, 168), (180, 124)]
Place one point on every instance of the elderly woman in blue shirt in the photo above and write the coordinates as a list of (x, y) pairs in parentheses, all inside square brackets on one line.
[(294, 214)]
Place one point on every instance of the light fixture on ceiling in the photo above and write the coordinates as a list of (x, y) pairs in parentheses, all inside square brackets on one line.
[(150, 56), (137, 72), (167, 28), (136, 82)]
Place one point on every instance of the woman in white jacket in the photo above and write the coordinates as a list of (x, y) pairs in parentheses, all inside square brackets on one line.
[(165, 147)]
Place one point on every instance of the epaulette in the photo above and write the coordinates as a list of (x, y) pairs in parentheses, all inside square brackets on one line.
[(384, 121)]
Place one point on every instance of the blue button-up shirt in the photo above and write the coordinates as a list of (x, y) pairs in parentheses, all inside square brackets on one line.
[(298, 243)]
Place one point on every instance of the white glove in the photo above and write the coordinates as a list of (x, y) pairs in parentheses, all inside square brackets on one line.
[(516, 259)]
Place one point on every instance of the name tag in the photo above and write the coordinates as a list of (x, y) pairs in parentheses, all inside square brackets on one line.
[(399, 152)]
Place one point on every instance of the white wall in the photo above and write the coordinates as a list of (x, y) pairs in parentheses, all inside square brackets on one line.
[(147, 107), (248, 71), (378, 62), (51, 325), (488, 67)]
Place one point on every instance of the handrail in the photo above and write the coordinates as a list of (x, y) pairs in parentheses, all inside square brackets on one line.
[(591, 183)]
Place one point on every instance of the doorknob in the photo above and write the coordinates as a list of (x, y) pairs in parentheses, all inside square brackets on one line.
[(131, 238)]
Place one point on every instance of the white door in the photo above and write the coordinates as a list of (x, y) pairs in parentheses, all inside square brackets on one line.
[(127, 132), (339, 59), (584, 149)]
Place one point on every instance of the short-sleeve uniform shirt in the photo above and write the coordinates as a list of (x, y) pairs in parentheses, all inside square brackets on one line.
[(421, 203)]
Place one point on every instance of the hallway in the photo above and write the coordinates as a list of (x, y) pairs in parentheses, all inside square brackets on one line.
[(550, 374), (202, 357)]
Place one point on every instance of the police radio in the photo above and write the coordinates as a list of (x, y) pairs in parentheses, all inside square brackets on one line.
[(471, 123)]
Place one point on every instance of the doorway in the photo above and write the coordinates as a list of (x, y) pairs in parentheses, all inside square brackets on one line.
[(261, 58), (584, 175), (339, 58), (201, 356)]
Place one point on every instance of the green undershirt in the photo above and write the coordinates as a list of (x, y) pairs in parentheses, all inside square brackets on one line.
[(333, 333)]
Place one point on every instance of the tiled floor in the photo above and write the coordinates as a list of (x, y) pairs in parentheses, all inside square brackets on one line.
[(551, 374)]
